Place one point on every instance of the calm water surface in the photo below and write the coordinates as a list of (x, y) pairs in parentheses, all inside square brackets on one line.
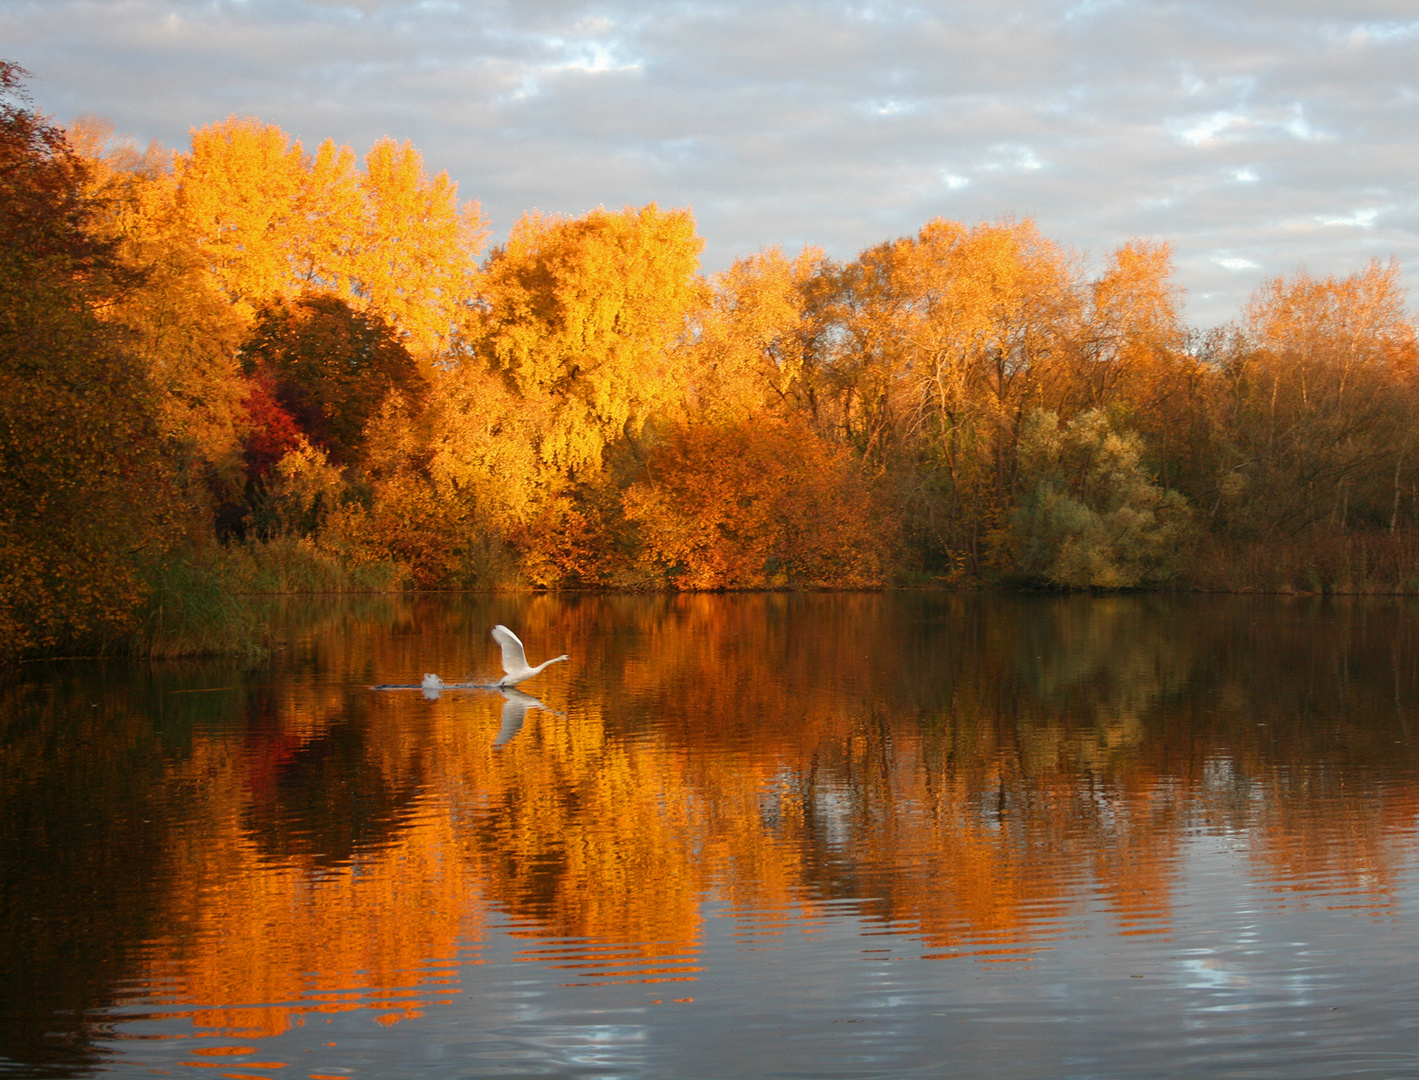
[(736, 836)]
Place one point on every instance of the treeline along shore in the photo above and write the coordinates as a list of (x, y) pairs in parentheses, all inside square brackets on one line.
[(249, 367)]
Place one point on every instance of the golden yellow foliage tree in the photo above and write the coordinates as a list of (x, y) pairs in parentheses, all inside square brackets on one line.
[(454, 483), (272, 222), (414, 260), (582, 316), (241, 190), (745, 356), (180, 322)]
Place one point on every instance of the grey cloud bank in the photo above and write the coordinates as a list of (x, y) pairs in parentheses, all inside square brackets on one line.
[(1254, 138)]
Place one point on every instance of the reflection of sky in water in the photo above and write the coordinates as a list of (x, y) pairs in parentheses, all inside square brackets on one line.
[(776, 990)]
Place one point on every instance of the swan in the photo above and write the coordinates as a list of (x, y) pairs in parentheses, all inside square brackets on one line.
[(515, 660)]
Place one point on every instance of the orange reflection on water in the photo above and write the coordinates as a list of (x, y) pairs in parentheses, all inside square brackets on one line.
[(1349, 856), (976, 791), (383, 932)]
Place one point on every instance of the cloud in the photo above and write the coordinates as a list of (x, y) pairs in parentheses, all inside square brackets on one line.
[(1198, 131), (1252, 137), (1359, 219)]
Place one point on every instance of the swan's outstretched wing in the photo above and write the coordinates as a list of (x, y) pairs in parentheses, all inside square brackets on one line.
[(514, 712), (514, 659)]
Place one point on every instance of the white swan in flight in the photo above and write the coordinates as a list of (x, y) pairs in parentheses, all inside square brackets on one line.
[(515, 660)]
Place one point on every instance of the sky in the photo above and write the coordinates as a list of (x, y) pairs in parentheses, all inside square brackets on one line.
[(1256, 138)]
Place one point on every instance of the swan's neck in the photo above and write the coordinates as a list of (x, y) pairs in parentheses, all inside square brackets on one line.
[(549, 663)]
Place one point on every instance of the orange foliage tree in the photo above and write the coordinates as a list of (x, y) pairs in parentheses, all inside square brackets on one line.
[(1320, 401), (1132, 344), (745, 355), (85, 484), (946, 340), (758, 503)]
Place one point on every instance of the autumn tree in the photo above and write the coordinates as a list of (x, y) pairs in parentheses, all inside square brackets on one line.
[(745, 355), (83, 478), (1131, 347), (581, 318), (758, 503), (273, 223), (240, 190), (451, 484), (330, 368), (414, 262), (1320, 399), (179, 322), (1135, 357), (947, 339)]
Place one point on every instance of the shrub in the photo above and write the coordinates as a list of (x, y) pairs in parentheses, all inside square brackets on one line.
[(1091, 516)]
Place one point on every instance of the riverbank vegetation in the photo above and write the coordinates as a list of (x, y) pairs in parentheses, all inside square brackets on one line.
[(249, 366)]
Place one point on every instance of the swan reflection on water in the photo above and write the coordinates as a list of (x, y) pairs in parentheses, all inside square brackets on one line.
[(515, 702), (515, 711)]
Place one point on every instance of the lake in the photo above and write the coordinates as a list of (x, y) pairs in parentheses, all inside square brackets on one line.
[(763, 835)]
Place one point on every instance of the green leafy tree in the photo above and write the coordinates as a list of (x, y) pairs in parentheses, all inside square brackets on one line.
[(1092, 517)]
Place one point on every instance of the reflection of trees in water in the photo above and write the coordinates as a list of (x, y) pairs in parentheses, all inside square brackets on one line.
[(1007, 756), (91, 777), (966, 767), (321, 794)]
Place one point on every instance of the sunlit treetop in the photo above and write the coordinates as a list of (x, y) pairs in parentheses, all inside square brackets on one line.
[(274, 222), (584, 312)]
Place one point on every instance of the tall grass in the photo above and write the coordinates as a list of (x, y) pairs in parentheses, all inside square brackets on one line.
[(1320, 561), (289, 564), (191, 611), (208, 601)]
